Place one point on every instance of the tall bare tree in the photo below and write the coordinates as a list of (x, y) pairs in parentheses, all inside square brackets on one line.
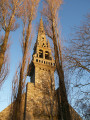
[(8, 11), (28, 13), (78, 54), (5, 67), (78, 61), (50, 12)]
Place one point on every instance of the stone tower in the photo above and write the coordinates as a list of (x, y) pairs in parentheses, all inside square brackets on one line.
[(43, 64), (41, 71)]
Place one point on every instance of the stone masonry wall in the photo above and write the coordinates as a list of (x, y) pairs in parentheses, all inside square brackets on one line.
[(44, 76), (39, 104)]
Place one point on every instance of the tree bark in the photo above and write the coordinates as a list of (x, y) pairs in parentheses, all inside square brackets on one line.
[(18, 112), (62, 90), (3, 48)]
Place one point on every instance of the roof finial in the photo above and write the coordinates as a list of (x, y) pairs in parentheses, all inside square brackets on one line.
[(41, 27)]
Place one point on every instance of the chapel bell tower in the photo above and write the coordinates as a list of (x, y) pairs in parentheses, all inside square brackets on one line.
[(42, 66)]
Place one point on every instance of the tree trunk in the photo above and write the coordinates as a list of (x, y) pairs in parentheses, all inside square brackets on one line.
[(18, 104), (62, 90), (3, 49)]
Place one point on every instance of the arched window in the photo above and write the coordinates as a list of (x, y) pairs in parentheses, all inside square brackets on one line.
[(46, 55), (41, 53)]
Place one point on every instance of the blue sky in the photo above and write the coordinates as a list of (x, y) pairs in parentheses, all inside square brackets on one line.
[(71, 14)]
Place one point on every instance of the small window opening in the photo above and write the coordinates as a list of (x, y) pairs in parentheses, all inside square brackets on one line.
[(36, 60), (46, 55), (41, 53), (43, 45), (47, 44)]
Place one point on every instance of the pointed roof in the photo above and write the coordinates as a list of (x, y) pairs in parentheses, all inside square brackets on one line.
[(41, 27), (41, 22)]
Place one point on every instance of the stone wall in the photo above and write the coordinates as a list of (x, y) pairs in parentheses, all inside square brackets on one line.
[(39, 104), (5, 114), (44, 75)]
